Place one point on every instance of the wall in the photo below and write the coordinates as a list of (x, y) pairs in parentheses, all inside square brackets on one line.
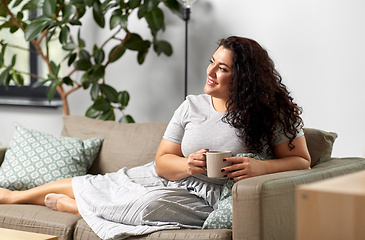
[(318, 47)]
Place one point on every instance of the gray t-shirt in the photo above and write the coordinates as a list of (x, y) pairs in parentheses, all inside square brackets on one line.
[(197, 125)]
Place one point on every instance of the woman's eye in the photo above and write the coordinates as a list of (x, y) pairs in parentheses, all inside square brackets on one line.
[(211, 61), (223, 69)]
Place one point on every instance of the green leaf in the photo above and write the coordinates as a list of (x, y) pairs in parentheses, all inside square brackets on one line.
[(99, 56), (132, 4), (3, 12), (55, 68), (142, 56), (4, 76), (52, 89), (84, 55), (94, 92), (80, 40), (123, 98), (39, 83), (92, 113), (68, 81), (151, 4), (34, 29), (64, 34), (19, 16), (17, 78), (14, 29), (82, 65), (115, 19), (101, 104), (162, 47), (174, 6), (108, 115), (109, 92), (1, 60), (17, 2), (13, 61), (68, 11), (31, 5), (70, 46), (89, 3), (118, 53), (118, 19), (141, 12), (75, 22), (135, 42), (49, 8), (126, 119), (86, 83), (99, 72), (155, 19), (71, 59), (98, 14)]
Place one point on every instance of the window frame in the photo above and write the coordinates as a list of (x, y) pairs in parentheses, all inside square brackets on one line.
[(26, 95)]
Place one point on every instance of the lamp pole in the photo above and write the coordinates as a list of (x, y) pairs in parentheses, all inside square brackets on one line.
[(186, 17)]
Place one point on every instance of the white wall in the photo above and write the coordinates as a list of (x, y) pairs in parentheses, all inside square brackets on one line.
[(318, 47)]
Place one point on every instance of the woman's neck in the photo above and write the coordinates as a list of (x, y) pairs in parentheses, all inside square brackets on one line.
[(219, 105)]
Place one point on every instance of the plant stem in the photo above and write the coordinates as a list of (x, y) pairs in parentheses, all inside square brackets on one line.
[(36, 44), (21, 48), (118, 47)]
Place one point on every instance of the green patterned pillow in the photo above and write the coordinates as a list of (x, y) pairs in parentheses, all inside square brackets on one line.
[(34, 158), (221, 218)]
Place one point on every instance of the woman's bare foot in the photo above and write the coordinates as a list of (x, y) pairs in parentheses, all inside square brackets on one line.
[(61, 203)]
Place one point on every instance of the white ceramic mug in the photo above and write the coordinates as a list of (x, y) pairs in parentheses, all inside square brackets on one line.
[(215, 163)]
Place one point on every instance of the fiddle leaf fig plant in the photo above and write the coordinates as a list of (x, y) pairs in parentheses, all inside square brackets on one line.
[(57, 20)]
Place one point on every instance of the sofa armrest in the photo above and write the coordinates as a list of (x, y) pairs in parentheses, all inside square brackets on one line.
[(264, 206), (2, 153)]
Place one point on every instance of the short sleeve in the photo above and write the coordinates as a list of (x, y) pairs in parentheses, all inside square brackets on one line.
[(176, 127), (280, 136)]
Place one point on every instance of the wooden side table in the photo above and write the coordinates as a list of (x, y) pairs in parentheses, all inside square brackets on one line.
[(11, 234), (332, 209)]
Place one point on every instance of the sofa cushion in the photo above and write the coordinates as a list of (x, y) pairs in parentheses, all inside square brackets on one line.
[(125, 145), (320, 144), (38, 219), (83, 231), (34, 158)]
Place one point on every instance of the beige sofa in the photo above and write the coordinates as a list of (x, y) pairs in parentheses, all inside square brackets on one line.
[(263, 207)]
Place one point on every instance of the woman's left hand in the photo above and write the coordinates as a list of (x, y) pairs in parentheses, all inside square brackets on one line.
[(243, 167)]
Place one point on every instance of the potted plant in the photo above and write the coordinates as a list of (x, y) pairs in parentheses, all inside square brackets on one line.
[(56, 21)]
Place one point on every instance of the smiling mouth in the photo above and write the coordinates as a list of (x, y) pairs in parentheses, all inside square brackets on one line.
[(212, 82)]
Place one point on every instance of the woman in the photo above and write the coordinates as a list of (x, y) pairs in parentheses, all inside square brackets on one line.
[(245, 108)]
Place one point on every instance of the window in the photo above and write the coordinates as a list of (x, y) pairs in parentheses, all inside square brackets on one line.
[(27, 61)]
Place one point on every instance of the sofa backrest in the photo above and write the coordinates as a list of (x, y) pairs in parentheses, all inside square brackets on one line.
[(130, 145), (125, 145)]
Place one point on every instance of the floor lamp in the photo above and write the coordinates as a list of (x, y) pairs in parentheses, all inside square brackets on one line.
[(186, 16)]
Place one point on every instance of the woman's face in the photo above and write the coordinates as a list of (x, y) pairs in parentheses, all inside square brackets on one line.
[(219, 74)]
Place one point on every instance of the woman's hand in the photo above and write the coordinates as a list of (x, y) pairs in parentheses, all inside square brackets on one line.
[(172, 165), (196, 163), (243, 167), (286, 160)]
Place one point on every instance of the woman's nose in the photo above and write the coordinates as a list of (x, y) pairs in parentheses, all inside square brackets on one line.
[(210, 71)]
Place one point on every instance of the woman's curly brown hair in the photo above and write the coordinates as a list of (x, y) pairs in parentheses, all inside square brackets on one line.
[(259, 102)]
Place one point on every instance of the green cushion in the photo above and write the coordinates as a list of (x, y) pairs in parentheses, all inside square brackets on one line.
[(221, 218), (34, 158)]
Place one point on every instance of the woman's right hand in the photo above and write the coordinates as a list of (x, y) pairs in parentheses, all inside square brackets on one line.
[(172, 165), (196, 163)]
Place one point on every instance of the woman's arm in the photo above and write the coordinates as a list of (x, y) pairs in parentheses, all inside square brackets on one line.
[(172, 165), (286, 160)]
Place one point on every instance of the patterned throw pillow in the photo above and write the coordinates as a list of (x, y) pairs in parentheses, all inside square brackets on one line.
[(221, 218), (34, 158)]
